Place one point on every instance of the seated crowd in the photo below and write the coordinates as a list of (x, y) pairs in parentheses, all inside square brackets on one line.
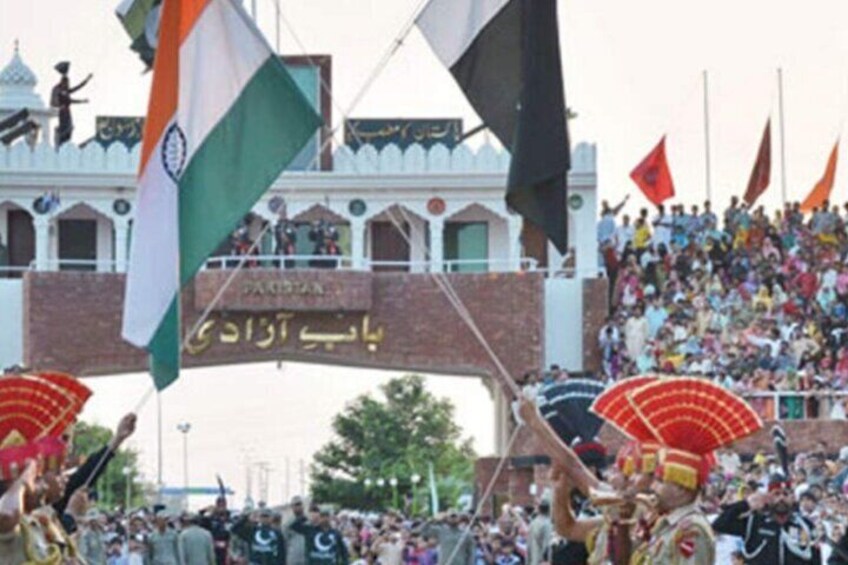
[(757, 301)]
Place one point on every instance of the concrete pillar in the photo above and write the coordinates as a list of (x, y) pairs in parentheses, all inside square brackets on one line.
[(357, 243), (122, 230), (42, 243), (514, 224), (586, 242), (503, 411), (437, 244)]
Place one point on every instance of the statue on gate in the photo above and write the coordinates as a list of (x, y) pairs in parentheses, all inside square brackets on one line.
[(60, 98)]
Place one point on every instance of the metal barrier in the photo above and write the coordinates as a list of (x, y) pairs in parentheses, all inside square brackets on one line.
[(290, 262), (798, 405), (13, 272), (284, 262), (346, 262), (94, 265)]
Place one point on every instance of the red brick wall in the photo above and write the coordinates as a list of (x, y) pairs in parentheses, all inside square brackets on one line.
[(72, 322), (595, 308)]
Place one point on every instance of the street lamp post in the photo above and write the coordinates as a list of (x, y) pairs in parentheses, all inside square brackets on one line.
[(127, 471), (414, 479), (394, 483), (185, 428)]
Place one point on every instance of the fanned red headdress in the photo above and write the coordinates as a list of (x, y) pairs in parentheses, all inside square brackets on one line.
[(614, 407), (34, 412), (691, 417), (71, 385)]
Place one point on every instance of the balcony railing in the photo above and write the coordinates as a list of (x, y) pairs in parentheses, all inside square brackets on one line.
[(796, 405), (291, 262)]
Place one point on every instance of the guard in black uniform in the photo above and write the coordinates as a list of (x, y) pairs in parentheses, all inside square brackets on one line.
[(774, 533), (218, 523)]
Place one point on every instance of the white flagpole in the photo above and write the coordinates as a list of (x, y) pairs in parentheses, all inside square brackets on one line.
[(277, 20), (159, 482), (782, 135), (707, 136)]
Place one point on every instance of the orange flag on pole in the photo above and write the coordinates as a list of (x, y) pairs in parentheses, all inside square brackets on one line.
[(761, 175), (653, 176), (821, 192)]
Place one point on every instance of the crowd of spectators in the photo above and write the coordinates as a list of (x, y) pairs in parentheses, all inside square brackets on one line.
[(756, 300), (519, 536), (514, 535)]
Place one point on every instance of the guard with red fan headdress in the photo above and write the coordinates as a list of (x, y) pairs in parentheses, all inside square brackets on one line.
[(635, 461), (691, 418), (35, 413)]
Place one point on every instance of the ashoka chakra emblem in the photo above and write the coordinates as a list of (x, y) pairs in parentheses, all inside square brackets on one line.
[(174, 149)]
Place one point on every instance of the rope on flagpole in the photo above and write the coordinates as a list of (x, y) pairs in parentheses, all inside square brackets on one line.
[(441, 280), (391, 50), (486, 493)]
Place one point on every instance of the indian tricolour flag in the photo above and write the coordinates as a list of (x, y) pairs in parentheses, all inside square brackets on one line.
[(225, 118)]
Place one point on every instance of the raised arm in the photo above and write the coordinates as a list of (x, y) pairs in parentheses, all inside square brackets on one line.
[(12, 501), (567, 526), (620, 205), (580, 477)]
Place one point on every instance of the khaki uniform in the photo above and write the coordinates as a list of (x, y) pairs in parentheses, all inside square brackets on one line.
[(23, 546), (47, 531), (597, 544), (163, 548), (682, 537), (92, 548)]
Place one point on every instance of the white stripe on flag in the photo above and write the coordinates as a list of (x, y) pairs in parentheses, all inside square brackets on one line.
[(152, 280), (217, 60), (450, 26)]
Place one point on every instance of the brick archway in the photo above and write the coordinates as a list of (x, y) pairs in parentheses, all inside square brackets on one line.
[(398, 321)]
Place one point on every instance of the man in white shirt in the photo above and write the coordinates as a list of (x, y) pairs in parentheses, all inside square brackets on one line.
[(624, 233), (662, 227)]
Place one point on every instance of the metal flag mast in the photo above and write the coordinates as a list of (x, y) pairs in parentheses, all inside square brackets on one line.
[(782, 135), (707, 136)]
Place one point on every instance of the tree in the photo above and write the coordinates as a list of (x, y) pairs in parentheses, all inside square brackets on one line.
[(111, 488), (398, 437)]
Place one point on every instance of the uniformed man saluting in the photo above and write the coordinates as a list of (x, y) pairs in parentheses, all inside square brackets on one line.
[(774, 533)]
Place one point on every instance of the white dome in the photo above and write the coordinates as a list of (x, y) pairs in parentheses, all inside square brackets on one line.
[(17, 85)]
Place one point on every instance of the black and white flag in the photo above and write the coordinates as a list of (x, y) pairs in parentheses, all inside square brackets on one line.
[(505, 56)]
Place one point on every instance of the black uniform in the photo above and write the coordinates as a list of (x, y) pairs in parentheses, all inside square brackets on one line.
[(766, 541), (323, 546), (266, 544), (218, 525)]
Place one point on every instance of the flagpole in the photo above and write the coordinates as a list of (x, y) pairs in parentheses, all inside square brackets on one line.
[(277, 20), (159, 482), (707, 135), (782, 134)]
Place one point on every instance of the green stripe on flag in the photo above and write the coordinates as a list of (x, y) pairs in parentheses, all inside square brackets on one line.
[(242, 156), (134, 16), (165, 349)]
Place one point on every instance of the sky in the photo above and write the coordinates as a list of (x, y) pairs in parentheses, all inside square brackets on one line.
[(244, 415), (633, 72)]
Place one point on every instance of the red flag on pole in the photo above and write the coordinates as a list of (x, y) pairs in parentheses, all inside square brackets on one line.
[(653, 176), (761, 175), (821, 192)]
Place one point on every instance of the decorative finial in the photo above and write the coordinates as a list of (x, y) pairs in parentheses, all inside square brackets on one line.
[(17, 46)]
